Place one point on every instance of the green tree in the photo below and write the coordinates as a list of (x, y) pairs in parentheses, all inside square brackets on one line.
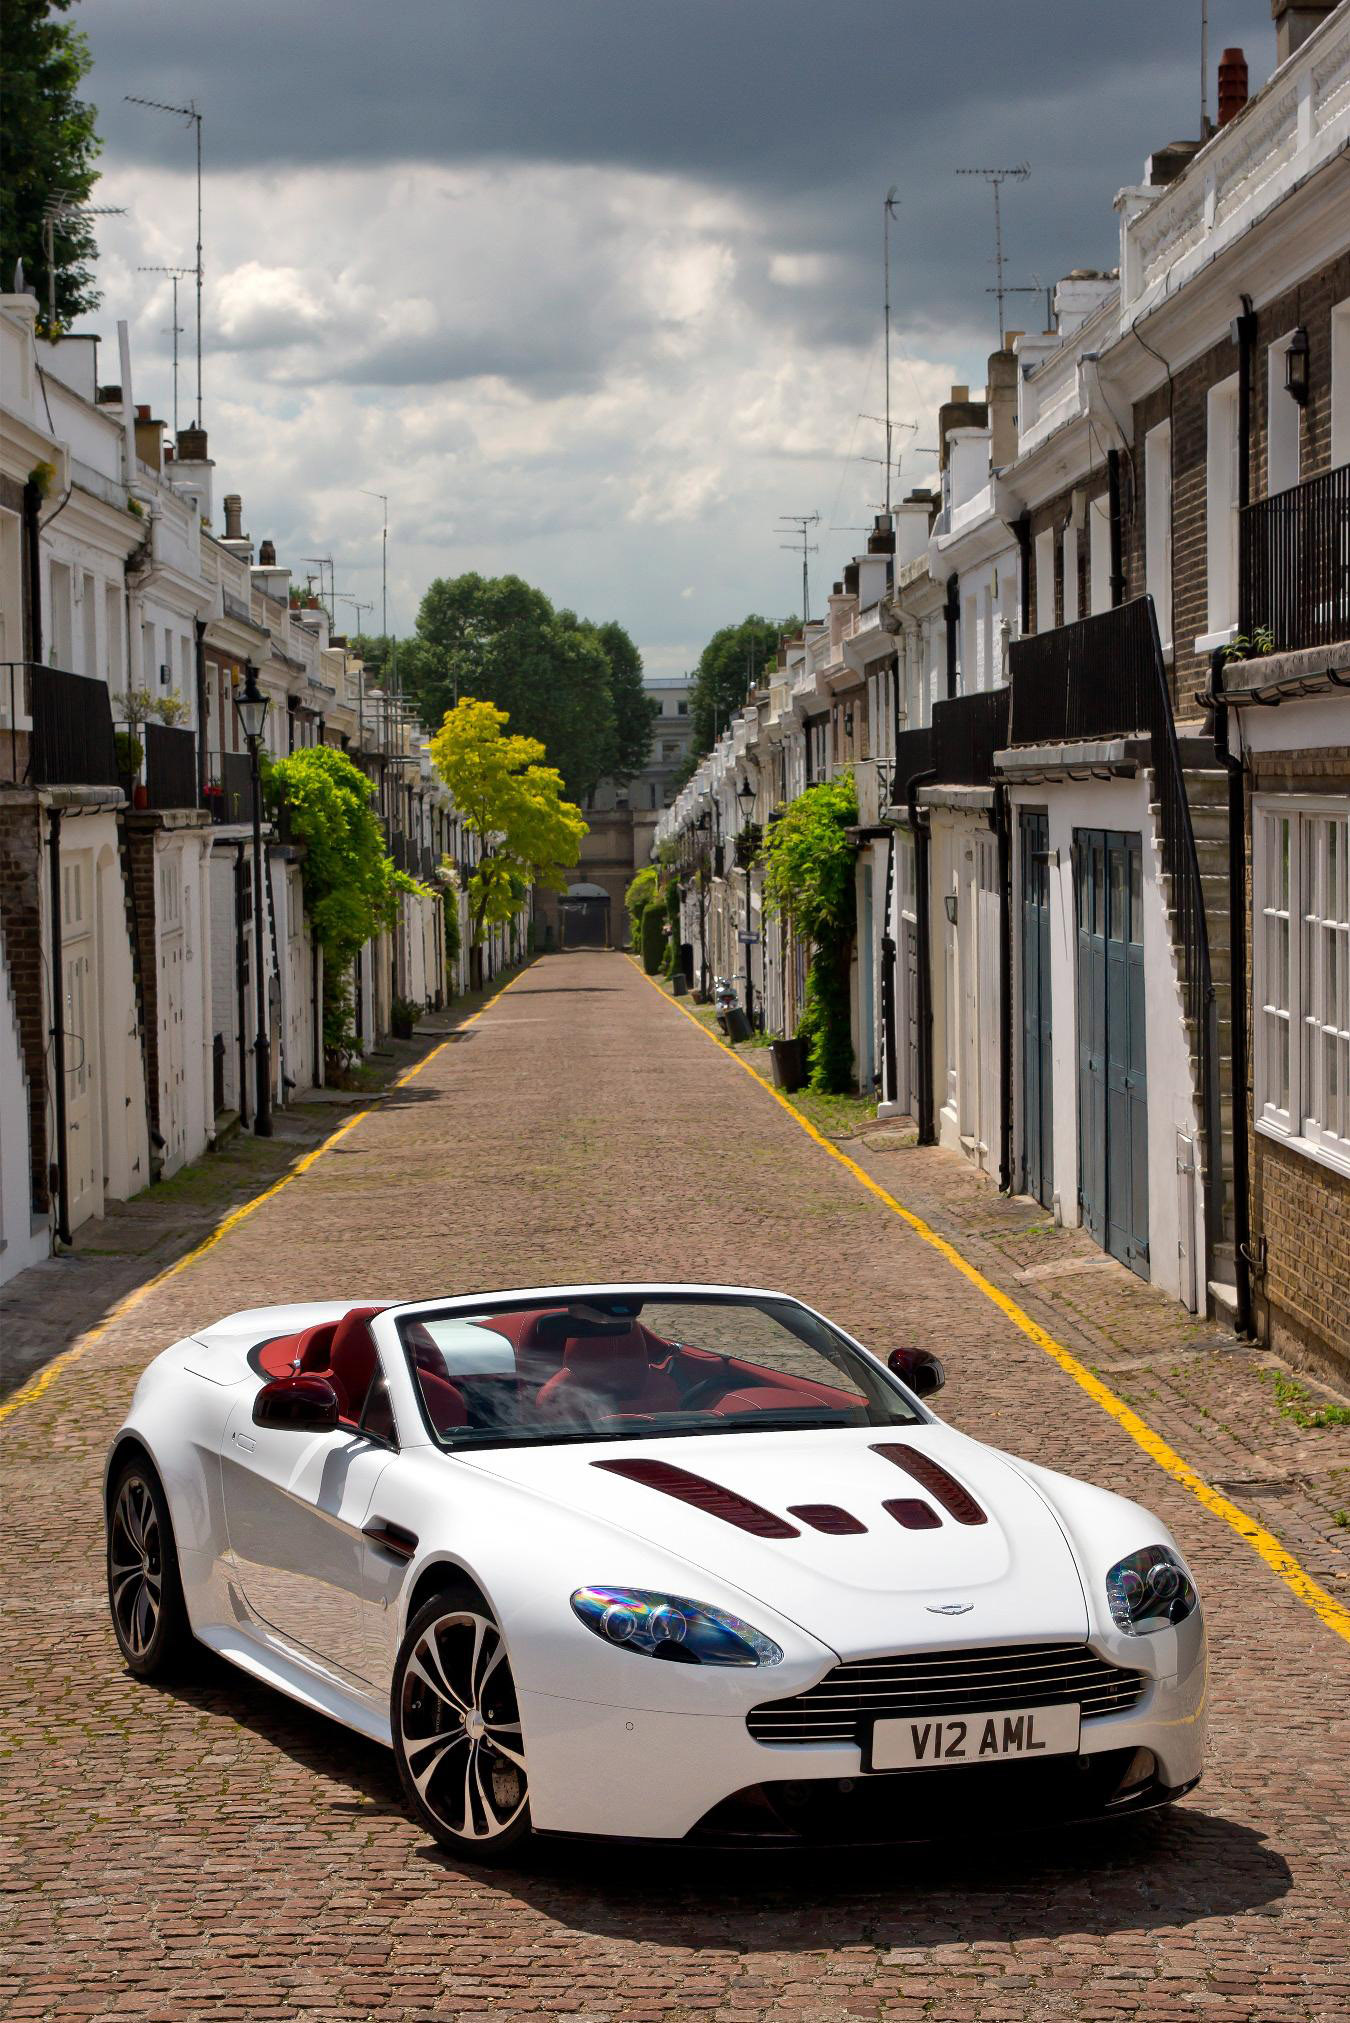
[(729, 666), (631, 703), (350, 884), (641, 891), (809, 881), (529, 833), (653, 936), (500, 640), (49, 150)]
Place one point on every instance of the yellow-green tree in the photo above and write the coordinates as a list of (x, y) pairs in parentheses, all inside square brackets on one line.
[(529, 834)]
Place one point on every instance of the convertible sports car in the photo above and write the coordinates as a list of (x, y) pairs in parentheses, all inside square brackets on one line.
[(502, 1533)]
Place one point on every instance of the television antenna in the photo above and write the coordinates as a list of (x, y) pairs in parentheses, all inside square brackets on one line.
[(383, 498), (887, 213), (192, 115), (176, 273), (322, 562), (803, 523), (997, 177), (60, 207)]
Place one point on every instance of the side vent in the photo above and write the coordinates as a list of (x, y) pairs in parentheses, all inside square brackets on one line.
[(942, 1487), (826, 1517), (913, 1513), (685, 1487)]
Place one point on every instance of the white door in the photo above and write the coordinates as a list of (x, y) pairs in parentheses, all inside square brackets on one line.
[(78, 1001), (987, 1021), (173, 1104)]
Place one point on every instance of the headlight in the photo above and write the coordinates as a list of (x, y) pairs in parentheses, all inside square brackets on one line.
[(671, 1627), (1149, 1591)]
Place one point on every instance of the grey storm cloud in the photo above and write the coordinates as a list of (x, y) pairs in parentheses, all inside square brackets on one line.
[(806, 112)]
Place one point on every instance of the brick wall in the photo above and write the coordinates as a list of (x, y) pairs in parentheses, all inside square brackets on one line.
[(139, 865), (22, 861), (1300, 1209)]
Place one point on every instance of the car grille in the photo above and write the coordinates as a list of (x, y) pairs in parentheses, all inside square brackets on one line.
[(841, 1706)]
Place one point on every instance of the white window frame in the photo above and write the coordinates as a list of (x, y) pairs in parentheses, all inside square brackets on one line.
[(1069, 565), (1283, 421), (1301, 974), (1099, 552), (1221, 504), (1340, 384), (1158, 526), (1045, 580)]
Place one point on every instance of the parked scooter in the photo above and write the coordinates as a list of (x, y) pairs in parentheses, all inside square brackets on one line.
[(724, 1000)]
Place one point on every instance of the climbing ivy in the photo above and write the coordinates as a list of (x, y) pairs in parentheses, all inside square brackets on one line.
[(350, 884), (809, 882)]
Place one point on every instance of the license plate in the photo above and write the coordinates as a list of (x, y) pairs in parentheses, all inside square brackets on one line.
[(927, 1742)]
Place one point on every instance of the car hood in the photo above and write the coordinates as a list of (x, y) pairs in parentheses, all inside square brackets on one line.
[(1010, 1578)]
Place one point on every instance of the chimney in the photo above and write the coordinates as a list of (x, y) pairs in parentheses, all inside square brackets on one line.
[(149, 439), (1232, 84), (192, 445), (267, 555), (234, 517), (1295, 21), (1002, 400)]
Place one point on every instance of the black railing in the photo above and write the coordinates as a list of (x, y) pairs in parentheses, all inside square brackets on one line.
[(170, 767), (1294, 563), (913, 755), (967, 731), (1093, 679), (71, 740), (234, 803)]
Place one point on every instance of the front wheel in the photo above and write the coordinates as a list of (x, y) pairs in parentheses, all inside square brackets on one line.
[(457, 1733), (145, 1593)]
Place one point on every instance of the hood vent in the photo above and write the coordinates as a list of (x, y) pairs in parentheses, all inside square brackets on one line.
[(913, 1513), (827, 1517), (942, 1487), (727, 1504)]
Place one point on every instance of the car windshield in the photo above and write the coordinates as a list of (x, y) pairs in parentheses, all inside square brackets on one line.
[(634, 1368)]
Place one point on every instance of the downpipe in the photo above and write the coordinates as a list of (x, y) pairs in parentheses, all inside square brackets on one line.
[(1237, 990), (927, 1117), (58, 1031), (1002, 825)]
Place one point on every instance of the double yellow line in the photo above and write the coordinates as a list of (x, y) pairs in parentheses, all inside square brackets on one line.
[(1332, 1612), (31, 1392)]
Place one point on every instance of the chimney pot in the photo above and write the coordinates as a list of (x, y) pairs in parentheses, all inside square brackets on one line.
[(1232, 84), (142, 413), (234, 517), (192, 445), (267, 555)]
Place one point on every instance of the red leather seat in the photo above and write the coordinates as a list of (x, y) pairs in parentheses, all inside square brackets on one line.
[(353, 1360), (606, 1374), (444, 1401)]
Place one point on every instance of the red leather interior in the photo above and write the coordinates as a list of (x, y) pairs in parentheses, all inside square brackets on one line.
[(611, 1371), (309, 1350), (444, 1402), (353, 1360)]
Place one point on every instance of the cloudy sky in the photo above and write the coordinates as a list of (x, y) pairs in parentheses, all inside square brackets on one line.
[(592, 288)]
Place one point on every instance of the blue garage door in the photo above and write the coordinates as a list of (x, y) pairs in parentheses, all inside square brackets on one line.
[(1038, 1176), (1112, 1071)]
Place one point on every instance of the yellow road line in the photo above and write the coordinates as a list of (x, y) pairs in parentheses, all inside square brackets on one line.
[(1332, 1612), (30, 1393)]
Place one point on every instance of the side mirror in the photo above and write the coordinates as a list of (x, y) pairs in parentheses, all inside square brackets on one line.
[(919, 1369), (304, 1403)]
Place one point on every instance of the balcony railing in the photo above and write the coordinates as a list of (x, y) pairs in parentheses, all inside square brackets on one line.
[(70, 742), (170, 767), (1093, 679), (913, 755), (1294, 563), (967, 731)]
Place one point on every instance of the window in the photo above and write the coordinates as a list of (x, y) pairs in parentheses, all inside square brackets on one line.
[(1301, 975), (1045, 580), (1070, 565), (1158, 526), (59, 623), (89, 623), (1282, 422), (112, 633), (684, 709), (1099, 552), (1340, 384), (1221, 502)]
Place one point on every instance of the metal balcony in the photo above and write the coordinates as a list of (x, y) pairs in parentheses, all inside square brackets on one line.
[(1294, 563)]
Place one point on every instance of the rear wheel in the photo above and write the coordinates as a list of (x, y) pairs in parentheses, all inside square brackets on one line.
[(145, 1593), (456, 1728)]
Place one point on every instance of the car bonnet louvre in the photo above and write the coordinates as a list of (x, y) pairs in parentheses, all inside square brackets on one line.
[(697, 1490), (954, 1497), (827, 1517)]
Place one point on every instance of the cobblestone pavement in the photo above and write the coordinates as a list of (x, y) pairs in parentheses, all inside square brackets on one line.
[(212, 1852)]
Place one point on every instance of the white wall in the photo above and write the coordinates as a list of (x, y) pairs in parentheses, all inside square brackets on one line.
[(23, 1244)]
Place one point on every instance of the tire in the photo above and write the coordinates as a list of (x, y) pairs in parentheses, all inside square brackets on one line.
[(456, 1728), (145, 1591)]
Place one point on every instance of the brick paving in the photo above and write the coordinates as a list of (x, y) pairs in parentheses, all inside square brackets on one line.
[(213, 1852)]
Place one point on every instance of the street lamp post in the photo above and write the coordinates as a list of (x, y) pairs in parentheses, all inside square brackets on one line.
[(745, 794), (251, 708)]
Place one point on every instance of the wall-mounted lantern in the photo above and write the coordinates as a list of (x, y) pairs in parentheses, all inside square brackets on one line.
[(1296, 366)]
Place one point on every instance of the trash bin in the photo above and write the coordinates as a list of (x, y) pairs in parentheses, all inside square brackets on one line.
[(789, 1064), (738, 1025), (679, 983)]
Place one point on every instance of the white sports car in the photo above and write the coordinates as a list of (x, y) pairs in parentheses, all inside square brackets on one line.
[(502, 1533)]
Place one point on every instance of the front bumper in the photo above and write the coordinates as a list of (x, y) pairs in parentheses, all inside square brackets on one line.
[(634, 1773)]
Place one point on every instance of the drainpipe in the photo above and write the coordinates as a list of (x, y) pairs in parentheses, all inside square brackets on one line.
[(1021, 526), (240, 982), (199, 626), (1117, 529), (1237, 994), (951, 612), (926, 1119), (59, 1039), (1002, 825), (32, 507), (1243, 331)]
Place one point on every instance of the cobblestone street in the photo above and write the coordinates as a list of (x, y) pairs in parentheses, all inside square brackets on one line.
[(211, 1851)]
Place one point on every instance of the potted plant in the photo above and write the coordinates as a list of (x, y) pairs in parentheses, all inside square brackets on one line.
[(130, 755), (403, 1016)]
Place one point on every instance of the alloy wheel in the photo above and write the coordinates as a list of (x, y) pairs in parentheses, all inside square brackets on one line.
[(459, 1727), (136, 1566)]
